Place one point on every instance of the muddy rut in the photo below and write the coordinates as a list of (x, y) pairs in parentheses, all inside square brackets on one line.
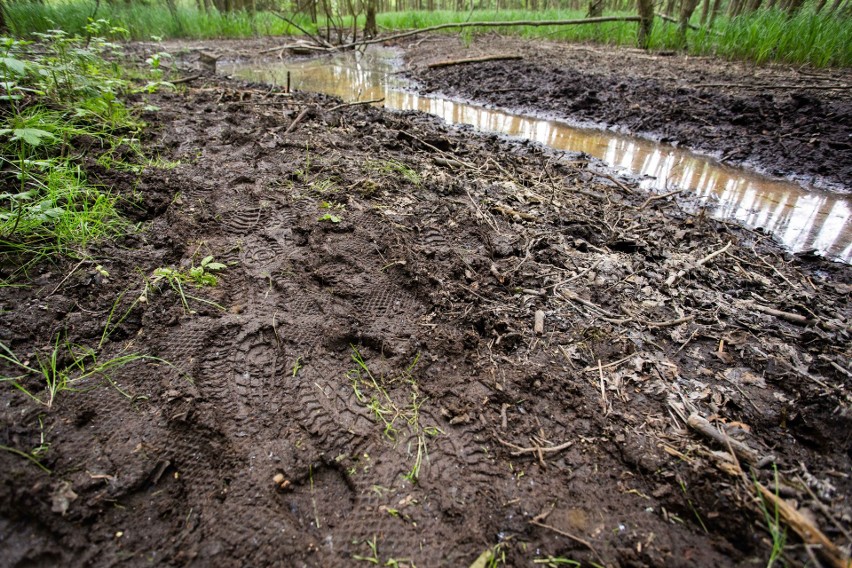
[(367, 383)]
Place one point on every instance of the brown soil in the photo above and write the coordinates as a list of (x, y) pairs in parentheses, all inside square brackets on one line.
[(801, 132), (446, 269)]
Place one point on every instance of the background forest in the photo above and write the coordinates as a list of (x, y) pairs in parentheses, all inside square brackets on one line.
[(814, 32)]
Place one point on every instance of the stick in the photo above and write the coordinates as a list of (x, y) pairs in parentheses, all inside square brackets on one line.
[(669, 323), (575, 538), (789, 316), (809, 533), (690, 26), (317, 39), (603, 387), (296, 121), (674, 277), (532, 23), (545, 449), (356, 103), (702, 426), (452, 62), (656, 197), (184, 79), (538, 324)]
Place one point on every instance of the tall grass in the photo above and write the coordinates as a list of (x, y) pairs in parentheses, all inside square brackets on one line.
[(143, 21), (763, 36)]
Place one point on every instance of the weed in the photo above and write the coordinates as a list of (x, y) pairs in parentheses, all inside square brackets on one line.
[(200, 275), (55, 375), (29, 456), (392, 167), (393, 417), (773, 525), (373, 558), (330, 218), (63, 91)]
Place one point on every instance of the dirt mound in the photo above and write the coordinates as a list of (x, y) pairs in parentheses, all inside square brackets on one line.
[(785, 122), (426, 344)]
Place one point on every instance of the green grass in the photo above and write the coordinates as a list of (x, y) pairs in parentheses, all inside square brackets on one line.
[(763, 36), (65, 91), (142, 21)]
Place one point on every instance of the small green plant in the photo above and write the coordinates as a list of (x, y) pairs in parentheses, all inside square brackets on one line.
[(393, 167), (395, 418), (373, 558), (330, 218), (67, 367), (200, 275), (773, 524)]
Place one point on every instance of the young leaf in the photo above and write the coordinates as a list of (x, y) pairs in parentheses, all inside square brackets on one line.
[(31, 136), (16, 66)]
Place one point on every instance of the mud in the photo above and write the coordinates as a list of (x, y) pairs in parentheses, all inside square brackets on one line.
[(796, 125), (382, 283)]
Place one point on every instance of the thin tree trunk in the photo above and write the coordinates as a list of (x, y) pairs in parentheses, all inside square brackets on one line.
[(705, 12), (646, 22), (687, 7), (717, 7)]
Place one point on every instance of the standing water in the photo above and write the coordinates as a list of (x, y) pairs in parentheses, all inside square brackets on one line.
[(801, 218)]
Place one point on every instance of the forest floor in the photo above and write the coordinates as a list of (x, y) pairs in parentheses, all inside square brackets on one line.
[(428, 346)]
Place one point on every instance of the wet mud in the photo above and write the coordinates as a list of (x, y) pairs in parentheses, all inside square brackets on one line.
[(782, 121), (427, 344)]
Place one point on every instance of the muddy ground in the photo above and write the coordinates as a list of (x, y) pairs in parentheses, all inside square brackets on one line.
[(792, 122), (371, 385)]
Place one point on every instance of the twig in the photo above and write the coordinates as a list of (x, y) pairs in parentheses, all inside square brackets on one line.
[(357, 103), (603, 388), (658, 197), (73, 270), (297, 120), (450, 63), (615, 181), (676, 276), (806, 530), (317, 39), (566, 534), (185, 79), (669, 323), (608, 365), (519, 450), (703, 426)]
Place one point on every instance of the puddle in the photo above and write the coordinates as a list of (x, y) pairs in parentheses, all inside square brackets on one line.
[(801, 218)]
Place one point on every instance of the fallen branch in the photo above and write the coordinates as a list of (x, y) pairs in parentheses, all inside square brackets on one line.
[(658, 197), (806, 530), (690, 26), (703, 426), (317, 39), (357, 103), (450, 63), (296, 121), (676, 276), (532, 23), (184, 79), (519, 450), (566, 534)]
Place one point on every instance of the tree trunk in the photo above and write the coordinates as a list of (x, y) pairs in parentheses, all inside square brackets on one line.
[(646, 24), (371, 30), (705, 12), (687, 7), (596, 8)]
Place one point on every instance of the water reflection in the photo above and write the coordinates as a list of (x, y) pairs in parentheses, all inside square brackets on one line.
[(801, 218)]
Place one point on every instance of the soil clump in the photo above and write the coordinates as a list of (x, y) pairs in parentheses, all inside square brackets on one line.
[(427, 344)]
